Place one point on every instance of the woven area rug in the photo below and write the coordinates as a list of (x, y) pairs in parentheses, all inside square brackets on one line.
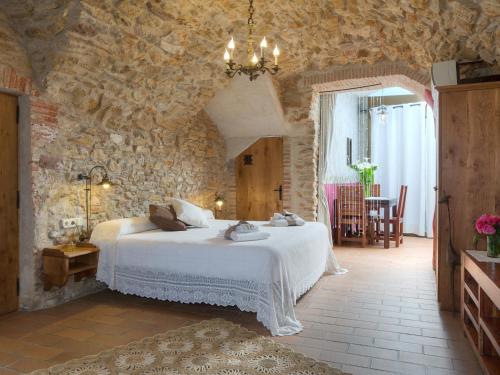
[(213, 347)]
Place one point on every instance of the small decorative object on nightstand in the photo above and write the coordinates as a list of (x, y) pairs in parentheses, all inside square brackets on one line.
[(61, 262)]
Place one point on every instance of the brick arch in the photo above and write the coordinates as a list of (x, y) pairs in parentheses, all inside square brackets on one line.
[(387, 74), (12, 82)]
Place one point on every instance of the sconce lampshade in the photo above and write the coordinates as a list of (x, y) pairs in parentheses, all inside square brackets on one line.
[(219, 202), (105, 182)]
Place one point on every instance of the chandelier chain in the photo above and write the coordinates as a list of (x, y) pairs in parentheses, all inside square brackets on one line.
[(251, 10), (250, 49)]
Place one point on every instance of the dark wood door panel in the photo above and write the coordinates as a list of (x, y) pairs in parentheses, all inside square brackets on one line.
[(259, 179), (9, 231)]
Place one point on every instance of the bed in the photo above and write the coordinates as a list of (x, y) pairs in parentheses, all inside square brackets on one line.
[(200, 266)]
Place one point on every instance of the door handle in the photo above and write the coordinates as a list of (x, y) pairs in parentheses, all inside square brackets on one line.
[(280, 190)]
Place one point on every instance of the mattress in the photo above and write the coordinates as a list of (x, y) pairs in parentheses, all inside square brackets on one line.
[(200, 266)]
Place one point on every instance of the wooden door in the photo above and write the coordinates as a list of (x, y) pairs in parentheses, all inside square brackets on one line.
[(259, 180), (9, 231), (469, 173)]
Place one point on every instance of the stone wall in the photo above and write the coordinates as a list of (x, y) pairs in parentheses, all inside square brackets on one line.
[(77, 123)]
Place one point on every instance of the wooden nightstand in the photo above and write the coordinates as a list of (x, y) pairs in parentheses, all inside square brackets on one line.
[(61, 262)]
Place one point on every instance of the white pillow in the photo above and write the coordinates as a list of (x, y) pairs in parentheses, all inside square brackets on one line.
[(209, 214), (189, 213), (136, 225), (113, 229)]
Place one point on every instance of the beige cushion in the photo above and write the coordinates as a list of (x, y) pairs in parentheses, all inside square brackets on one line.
[(165, 218), (189, 213)]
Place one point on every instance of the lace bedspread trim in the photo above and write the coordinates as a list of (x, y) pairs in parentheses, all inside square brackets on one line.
[(247, 295)]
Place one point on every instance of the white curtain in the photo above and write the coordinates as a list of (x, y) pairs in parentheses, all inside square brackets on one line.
[(327, 106), (404, 147)]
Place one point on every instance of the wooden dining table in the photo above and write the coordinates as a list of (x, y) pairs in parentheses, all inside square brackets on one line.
[(386, 204)]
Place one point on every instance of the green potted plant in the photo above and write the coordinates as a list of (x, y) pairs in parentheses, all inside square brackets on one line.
[(366, 172)]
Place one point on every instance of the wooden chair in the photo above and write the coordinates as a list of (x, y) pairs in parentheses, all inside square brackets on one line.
[(351, 220), (396, 222), (370, 208)]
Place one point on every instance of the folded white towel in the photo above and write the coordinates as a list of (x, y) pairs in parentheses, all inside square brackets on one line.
[(279, 222), (286, 219), (252, 236), (246, 228), (293, 221), (241, 227)]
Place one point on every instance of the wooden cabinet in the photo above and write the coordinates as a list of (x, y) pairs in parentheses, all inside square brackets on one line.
[(481, 310), (469, 173), (62, 262)]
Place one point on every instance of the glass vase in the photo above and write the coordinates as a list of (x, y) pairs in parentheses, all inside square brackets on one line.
[(493, 246)]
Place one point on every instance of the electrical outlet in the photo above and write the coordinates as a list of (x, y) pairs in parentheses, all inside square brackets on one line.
[(71, 222)]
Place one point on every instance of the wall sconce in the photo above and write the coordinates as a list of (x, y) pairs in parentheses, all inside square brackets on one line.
[(105, 183), (219, 202)]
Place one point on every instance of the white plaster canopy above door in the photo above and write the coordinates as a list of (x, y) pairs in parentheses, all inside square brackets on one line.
[(245, 111)]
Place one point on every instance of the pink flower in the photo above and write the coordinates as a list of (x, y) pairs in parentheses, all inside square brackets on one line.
[(486, 224)]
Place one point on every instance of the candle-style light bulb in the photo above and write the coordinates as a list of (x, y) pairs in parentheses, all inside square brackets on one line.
[(230, 47), (255, 59), (226, 56), (276, 53), (263, 44)]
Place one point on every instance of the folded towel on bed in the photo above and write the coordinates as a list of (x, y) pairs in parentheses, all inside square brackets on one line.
[(245, 227), (286, 219), (252, 236), (279, 222), (244, 231)]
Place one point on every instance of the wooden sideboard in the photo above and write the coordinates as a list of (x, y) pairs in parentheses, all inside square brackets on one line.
[(480, 310)]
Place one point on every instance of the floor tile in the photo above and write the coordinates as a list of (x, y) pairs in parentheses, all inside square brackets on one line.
[(345, 358), (377, 334), (398, 345), (398, 367), (424, 359), (354, 370), (371, 351), (424, 340)]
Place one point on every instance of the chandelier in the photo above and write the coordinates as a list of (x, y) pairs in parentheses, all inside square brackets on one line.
[(255, 66)]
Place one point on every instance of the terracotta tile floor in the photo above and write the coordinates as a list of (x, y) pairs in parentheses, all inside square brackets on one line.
[(380, 318)]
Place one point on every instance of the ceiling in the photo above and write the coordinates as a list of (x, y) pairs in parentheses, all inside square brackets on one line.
[(161, 60)]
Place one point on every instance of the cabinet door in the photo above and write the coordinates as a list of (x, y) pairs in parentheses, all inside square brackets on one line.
[(469, 173)]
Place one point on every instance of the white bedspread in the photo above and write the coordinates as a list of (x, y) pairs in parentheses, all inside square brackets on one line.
[(198, 266)]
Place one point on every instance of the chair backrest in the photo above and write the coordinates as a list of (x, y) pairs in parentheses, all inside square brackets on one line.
[(375, 190), (402, 201), (351, 200)]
